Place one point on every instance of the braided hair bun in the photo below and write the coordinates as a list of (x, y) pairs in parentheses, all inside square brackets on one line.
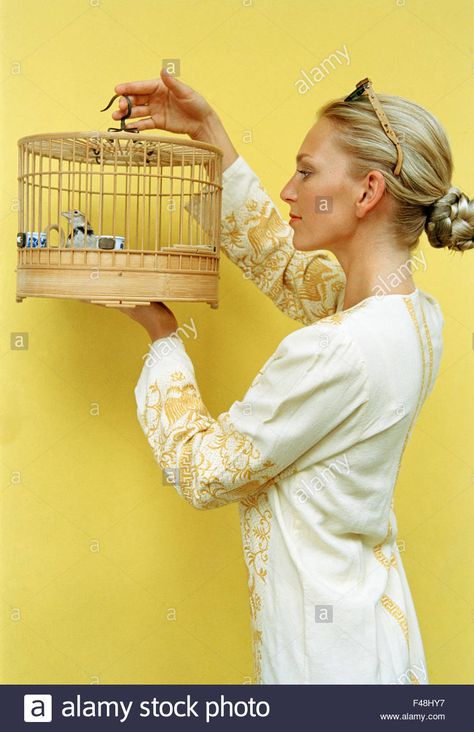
[(450, 221)]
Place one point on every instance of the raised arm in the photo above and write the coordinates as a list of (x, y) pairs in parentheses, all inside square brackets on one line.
[(306, 286)]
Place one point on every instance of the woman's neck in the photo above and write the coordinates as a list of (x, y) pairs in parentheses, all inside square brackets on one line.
[(387, 273)]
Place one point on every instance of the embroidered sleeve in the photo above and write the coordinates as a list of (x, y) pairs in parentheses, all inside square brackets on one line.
[(301, 394), (306, 286)]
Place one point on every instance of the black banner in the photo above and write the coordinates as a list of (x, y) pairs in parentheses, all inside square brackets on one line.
[(202, 707)]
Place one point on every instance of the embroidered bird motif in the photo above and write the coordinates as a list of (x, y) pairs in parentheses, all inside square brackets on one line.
[(181, 400), (268, 226), (83, 234)]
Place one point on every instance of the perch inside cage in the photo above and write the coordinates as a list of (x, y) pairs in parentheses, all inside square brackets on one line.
[(118, 219)]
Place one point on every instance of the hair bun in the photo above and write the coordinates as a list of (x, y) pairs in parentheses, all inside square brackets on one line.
[(450, 221)]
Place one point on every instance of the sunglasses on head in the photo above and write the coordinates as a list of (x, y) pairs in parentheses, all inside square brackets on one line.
[(365, 87)]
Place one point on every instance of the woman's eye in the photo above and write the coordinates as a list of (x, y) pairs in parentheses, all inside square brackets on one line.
[(304, 173)]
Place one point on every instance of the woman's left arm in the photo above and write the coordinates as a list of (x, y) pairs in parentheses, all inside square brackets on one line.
[(306, 389)]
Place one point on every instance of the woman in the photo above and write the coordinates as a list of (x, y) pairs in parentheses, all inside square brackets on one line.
[(313, 450)]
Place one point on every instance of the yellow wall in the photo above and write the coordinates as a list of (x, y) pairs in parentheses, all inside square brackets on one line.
[(107, 575)]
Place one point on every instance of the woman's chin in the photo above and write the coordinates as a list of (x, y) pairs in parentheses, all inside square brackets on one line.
[(303, 245), (298, 242)]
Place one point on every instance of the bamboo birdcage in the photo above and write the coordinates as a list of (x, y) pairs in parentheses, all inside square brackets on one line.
[(153, 204)]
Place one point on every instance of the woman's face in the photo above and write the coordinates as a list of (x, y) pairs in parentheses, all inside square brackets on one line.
[(321, 193)]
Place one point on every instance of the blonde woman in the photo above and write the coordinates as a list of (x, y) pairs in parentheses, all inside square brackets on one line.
[(312, 451)]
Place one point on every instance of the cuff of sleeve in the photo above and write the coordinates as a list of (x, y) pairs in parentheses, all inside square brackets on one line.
[(237, 180), (163, 348), (233, 169)]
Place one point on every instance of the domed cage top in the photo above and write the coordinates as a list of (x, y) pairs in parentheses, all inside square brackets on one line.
[(118, 219)]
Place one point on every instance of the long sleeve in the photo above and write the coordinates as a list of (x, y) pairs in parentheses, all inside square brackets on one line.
[(305, 286), (313, 382)]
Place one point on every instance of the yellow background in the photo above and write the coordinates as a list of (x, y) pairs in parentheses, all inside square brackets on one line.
[(107, 575)]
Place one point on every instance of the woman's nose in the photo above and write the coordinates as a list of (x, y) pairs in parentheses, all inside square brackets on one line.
[(288, 193)]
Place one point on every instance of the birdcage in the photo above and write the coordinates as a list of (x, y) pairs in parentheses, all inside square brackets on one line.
[(118, 219)]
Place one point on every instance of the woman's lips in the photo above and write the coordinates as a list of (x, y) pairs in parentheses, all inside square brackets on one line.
[(294, 219)]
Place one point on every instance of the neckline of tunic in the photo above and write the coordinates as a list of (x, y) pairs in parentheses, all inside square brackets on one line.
[(381, 297)]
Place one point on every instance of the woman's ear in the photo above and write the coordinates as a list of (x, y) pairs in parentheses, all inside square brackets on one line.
[(371, 191)]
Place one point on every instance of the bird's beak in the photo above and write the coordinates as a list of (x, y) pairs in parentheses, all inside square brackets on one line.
[(66, 214)]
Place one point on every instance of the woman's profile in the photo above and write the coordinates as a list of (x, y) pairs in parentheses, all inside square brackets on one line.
[(313, 449)]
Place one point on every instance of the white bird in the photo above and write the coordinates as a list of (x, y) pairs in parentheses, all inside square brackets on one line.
[(83, 233)]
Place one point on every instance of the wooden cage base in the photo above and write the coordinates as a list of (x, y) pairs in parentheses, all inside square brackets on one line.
[(118, 279)]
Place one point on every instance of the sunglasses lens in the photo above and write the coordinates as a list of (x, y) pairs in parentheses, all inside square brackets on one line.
[(357, 93)]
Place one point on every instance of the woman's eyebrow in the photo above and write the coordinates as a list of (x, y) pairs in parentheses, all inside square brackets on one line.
[(301, 156)]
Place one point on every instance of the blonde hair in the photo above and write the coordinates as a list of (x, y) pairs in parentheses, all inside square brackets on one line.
[(425, 198)]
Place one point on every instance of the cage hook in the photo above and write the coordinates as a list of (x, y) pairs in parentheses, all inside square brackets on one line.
[(122, 127)]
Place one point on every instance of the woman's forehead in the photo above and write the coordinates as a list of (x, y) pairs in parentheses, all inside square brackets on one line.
[(320, 143)]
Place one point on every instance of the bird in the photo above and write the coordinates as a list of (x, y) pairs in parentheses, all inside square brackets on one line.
[(83, 234)]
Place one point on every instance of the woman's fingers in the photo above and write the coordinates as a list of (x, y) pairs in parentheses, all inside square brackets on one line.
[(152, 86), (140, 111), (179, 89), (143, 124), (138, 87), (135, 99)]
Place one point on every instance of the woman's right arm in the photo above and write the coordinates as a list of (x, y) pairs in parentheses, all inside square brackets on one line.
[(306, 286)]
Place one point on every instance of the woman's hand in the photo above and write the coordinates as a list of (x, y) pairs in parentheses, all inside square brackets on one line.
[(157, 319), (165, 103), (168, 104)]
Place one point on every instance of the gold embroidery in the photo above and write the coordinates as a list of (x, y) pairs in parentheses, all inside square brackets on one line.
[(186, 472), (257, 636), (335, 319), (255, 517), (396, 613), (257, 532), (415, 677), (387, 602), (268, 226), (319, 283), (385, 561), (182, 400), (228, 458), (303, 285), (411, 310), (148, 420), (430, 349), (341, 315), (256, 527)]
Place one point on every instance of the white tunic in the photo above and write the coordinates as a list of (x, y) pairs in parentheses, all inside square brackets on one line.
[(311, 452)]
